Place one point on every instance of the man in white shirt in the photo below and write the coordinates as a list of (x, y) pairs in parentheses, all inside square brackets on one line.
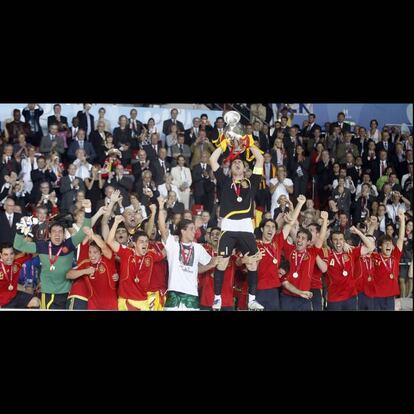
[(278, 186), (397, 205), (185, 260)]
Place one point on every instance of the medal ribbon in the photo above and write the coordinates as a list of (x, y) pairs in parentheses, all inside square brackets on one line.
[(5, 273), (341, 265), (386, 265), (53, 261), (237, 188), (301, 260)]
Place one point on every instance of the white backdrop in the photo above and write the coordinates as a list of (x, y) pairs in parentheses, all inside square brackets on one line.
[(113, 111)]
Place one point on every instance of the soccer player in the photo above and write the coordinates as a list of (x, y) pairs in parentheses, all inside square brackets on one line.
[(56, 257), (206, 279), (10, 267), (236, 209), (99, 274), (301, 257), (387, 266), (136, 266), (270, 246), (185, 260), (340, 270)]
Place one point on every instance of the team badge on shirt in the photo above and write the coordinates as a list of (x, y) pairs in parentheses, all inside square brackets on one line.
[(101, 268)]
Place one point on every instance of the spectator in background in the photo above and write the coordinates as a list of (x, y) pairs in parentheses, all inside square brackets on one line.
[(160, 166), (191, 134), (342, 196), (52, 142), (180, 149), (81, 143), (298, 168), (15, 127), (32, 117), (344, 148), (86, 120), (340, 122), (201, 145), (101, 118), (166, 127), (309, 131), (278, 186), (8, 220), (123, 139), (374, 133), (57, 118), (183, 180)]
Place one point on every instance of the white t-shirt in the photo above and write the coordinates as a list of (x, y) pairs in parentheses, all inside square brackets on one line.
[(184, 278), (281, 189), (392, 210)]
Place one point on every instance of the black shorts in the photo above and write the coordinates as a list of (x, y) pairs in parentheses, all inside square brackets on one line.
[(76, 304), (20, 301), (241, 240), (53, 300)]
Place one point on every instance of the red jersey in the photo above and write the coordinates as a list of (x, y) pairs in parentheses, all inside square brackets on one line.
[(136, 272), (364, 275), (341, 274), (316, 281), (268, 269), (301, 266), (9, 276), (159, 278), (386, 273), (80, 289), (100, 285), (206, 282)]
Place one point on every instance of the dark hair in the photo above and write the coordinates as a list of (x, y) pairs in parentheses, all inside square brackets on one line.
[(139, 234), (215, 228), (55, 105), (373, 120), (337, 232), (203, 115), (305, 231), (385, 238), (5, 246), (285, 117), (219, 118), (265, 221), (341, 113), (182, 225), (312, 115), (93, 244)]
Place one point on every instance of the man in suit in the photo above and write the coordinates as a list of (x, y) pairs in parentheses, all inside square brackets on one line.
[(201, 174), (86, 120), (80, 143), (41, 174), (201, 144), (191, 134), (309, 131), (142, 164), (172, 205), (160, 166), (97, 140), (134, 125), (8, 163), (57, 117), (16, 127), (69, 187), (51, 142), (32, 117), (217, 130), (379, 166), (152, 150), (173, 120), (205, 123), (180, 149), (345, 127), (386, 144), (343, 148), (291, 140), (121, 182), (361, 141), (8, 220), (259, 136)]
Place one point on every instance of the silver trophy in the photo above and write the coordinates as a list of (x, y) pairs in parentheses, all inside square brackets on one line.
[(233, 131)]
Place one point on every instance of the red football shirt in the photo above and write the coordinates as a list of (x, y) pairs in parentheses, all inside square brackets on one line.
[(100, 286), (386, 275), (9, 276), (135, 272), (364, 274), (206, 283), (341, 274), (241, 288), (316, 282), (268, 271), (301, 263), (159, 277)]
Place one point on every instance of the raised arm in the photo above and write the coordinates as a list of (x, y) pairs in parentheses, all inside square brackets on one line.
[(295, 215), (161, 220), (259, 157), (106, 251), (214, 159), (112, 243), (23, 245), (401, 233), (324, 229), (150, 225), (369, 244), (80, 235)]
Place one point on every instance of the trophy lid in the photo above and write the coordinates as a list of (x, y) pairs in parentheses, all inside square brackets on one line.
[(232, 118)]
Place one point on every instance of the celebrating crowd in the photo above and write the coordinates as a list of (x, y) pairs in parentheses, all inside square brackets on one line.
[(128, 217)]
